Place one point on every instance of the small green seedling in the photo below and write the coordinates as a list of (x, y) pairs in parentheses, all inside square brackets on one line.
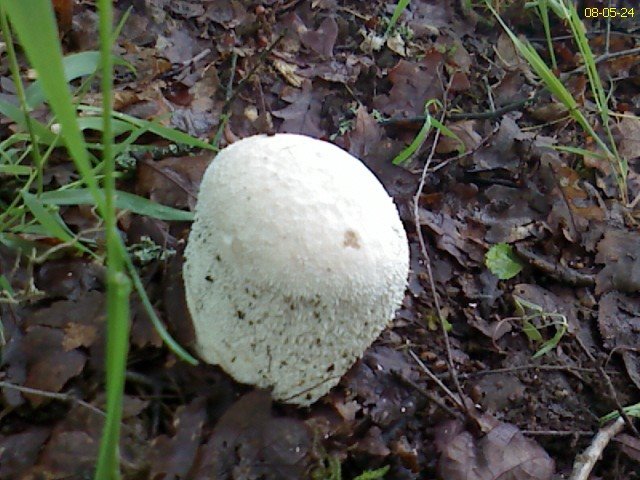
[(376, 474), (527, 312), (147, 251), (400, 7)]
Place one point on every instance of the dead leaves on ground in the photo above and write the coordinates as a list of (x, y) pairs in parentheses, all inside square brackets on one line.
[(300, 67)]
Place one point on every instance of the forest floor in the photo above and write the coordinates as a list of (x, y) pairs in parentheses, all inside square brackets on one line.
[(471, 401)]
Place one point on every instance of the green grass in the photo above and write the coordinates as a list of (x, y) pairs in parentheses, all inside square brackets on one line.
[(566, 12), (429, 123), (395, 16), (33, 210)]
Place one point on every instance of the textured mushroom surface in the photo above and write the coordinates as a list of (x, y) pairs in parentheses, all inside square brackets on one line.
[(296, 261)]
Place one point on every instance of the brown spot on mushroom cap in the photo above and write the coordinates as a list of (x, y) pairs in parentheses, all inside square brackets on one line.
[(351, 239)]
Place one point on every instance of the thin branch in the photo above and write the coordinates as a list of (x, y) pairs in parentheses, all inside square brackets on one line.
[(557, 433), (457, 400), (259, 63), (519, 368), (602, 58), (425, 254), (427, 394), (65, 397), (610, 387), (585, 462)]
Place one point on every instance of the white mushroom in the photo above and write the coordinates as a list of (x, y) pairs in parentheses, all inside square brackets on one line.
[(296, 261)]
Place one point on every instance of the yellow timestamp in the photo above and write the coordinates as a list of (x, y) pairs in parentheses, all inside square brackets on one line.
[(609, 12)]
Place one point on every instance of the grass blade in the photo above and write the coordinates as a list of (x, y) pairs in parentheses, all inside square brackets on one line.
[(124, 201), (38, 35), (75, 66), (52, 223)]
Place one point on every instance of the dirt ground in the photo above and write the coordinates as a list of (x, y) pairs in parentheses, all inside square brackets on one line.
[(471, 401)]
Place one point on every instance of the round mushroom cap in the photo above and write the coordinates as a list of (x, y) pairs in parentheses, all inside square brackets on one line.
[(296, 261)]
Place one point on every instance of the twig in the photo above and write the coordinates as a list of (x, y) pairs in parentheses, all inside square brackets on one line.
[(179, 67), (498, 112), (585, 462), (610, 387), (199, 56), (425, 254), (591, 34), (557, 433), (602, 58), (65, 397), (232, 76), (557, 271), (259, 62), (487, 115), (457, 400), (483, 143), (562, 368), (425, 393)]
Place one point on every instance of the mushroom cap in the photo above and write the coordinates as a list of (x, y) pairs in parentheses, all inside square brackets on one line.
[(296, 261)]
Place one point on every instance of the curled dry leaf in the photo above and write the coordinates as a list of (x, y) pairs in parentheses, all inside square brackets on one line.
[(250, 442), (619, 324), (322, 40), (413, 84), (173, 457), (302, 115), (619, 251), (20, 450), (503, 453), (173, 181)]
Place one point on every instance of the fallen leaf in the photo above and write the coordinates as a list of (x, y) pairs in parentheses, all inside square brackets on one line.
[(365, 136), (322, 40), (619, 324), (627, 135), (250, 442), (173, 181), (173, 457), (413, 83), (303, 114), (49, 365), (19, 451), (503, 453), (619, 251)]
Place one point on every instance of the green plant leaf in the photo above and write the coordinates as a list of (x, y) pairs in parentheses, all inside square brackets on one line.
[(164, 132), (631, 410), (502, 261), (373, 474), (529, 311), (39, 38), (531, 331), (418, 141), (397, 11), (51, 222), (43, 134), (561, 329), (17, 170), (124, 201), (75, 66), (95, 123)]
